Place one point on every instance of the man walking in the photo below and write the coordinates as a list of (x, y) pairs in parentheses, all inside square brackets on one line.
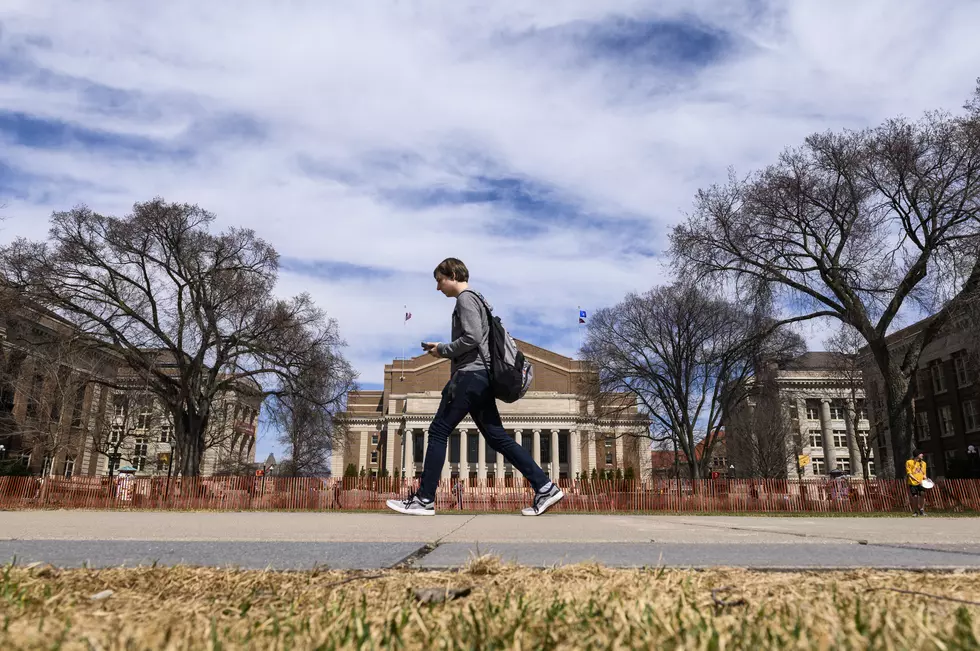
[(915, 470), (469, 392)]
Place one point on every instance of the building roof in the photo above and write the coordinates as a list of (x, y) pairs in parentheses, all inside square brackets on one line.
[(817, 360)]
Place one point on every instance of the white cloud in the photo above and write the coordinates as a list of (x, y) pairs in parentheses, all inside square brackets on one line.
[(444, 93)]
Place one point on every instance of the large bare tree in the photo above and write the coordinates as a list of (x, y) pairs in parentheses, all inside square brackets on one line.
[(191, 312), (309, 428), (759, 437), (684, 354), (858, 226), (847, 342)]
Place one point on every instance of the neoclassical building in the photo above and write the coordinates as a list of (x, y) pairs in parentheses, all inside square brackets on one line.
[(388, 429), (823, 405)]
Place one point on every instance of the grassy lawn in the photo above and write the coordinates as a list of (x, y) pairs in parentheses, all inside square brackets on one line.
[(583, 606)]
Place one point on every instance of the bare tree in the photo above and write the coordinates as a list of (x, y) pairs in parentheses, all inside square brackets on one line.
[(855, 226), (191, 312), (684, 354), (122, 434), (846, 342), (310, 429), (759, 436)]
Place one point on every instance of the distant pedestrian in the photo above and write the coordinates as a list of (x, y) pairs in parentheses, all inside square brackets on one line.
[(915, 471), (469, 391)]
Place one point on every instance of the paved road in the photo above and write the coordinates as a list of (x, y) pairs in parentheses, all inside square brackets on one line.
[(356, 540)]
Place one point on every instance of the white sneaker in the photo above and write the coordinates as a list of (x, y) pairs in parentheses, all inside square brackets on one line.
[(412, 506), (544, 501)]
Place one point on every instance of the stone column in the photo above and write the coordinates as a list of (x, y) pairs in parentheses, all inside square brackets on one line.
[(464, 458), (536, 447), (447, 468), (620, 457), (591, 442), (390, 448), (555, 465), (574, 453), (646, 459), (804, 431), (519, 436), (499, 473), (829, 452), (408, 463), (362, 458), (852, 444), (481, 457), (425, 443)]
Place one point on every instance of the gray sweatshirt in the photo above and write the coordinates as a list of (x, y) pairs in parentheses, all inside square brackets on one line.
[(470, 332)]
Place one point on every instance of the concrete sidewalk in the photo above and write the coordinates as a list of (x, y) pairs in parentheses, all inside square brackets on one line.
[(370, 540)]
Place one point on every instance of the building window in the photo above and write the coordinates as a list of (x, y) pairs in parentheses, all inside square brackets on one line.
[(609, 453), (950, 458), (46, 469), (970, 420), (817, 466), (374, 456), (845, 465), (836, 412), (920, 384), (938, 377), (962, 371), (816, 438), (167, 432), (139, 452), (114, 460), (374, 438), (76, 410), (863, 439), (812, 412), (945, 421), (69, 466), (922, 426), (862, 413), (871, 468), (144, 417), (34, 398), (840, 438)]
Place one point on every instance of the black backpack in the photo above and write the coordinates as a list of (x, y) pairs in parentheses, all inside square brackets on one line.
[(510, 373)]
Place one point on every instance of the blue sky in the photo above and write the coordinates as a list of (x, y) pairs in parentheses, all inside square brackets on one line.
[(549, 145)]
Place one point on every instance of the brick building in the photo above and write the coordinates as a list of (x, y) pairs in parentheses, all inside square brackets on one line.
[(946, 404), (388, 429)]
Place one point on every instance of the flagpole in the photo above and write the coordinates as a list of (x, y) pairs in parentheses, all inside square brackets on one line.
[(404, 327)]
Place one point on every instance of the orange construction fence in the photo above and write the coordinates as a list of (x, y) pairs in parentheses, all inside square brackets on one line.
[(587, 496)]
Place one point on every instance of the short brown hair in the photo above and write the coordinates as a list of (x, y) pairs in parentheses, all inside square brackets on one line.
[(453, 269)]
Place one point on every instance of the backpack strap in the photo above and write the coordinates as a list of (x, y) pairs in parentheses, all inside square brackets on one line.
[(489, 312)]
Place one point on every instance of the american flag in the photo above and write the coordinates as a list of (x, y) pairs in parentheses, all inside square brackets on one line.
[(408, 315)]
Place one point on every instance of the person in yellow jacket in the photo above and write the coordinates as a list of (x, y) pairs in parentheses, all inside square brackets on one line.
[(915, 470)]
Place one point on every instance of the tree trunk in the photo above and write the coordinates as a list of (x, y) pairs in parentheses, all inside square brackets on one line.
[(190, 441), (897, 400)]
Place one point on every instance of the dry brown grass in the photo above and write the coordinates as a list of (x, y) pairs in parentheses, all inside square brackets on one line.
[(582, 606)]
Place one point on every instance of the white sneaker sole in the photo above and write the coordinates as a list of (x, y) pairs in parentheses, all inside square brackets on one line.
[(396, 505), (548, 503)]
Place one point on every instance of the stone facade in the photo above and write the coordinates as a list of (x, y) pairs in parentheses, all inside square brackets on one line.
[(59, 418), (388, 429), (820, 401)]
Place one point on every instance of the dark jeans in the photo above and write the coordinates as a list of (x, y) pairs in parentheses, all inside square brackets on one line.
[(468, 392)]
